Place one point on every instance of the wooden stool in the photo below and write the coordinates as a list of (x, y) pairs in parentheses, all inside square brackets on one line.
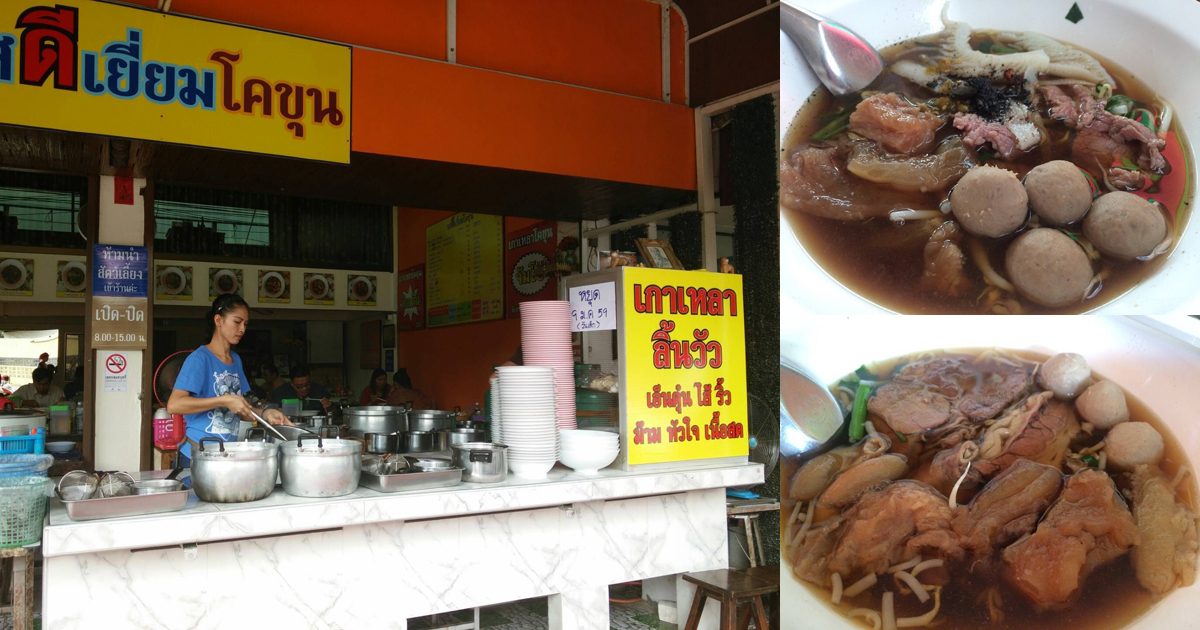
[(730, 587), (22, 585)]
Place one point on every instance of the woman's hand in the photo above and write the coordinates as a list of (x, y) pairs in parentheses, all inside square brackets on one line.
[(275, 416)]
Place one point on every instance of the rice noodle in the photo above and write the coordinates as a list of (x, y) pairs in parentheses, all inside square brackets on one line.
[(795, 514), (1063, 82), (1166, 116), (863, 584), (992, 598), (870, 427), (1103, 460), (928, 564), (954, 491), (869, 615), (904, 566), (927, 618), (914, 215), (812, 506), (888, 613), (1092, 449), (917, 589), (1180, 474), (836, 596), (979, 257)]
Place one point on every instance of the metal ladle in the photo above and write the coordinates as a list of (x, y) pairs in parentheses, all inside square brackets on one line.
[(267, 426), (842, 60)]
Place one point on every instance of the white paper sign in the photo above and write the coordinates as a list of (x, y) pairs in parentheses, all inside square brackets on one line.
[(116, 377), (594, 307)]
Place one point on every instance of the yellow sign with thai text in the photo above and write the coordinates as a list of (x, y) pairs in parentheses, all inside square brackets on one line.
[(102, 69), (685, 366)]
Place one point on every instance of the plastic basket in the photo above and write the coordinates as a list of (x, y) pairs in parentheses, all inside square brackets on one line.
[(17, 444), (22, 510), (169, 432), (25, 465)]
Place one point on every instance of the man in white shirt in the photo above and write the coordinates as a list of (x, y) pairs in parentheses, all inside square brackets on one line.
[(41, 393)]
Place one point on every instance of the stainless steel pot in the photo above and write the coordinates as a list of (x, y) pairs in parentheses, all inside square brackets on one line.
[(431, 419), (320, 468), (441, 440), (430, 464), (309, 419), (235, 472), (417, 442), (375, 419), (380, 443), (462, 436), (482, 462)]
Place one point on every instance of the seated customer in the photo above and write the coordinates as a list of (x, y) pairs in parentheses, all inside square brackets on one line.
[(403, 392), (376, 392), (304, 389), (40, 393), (75, 387)]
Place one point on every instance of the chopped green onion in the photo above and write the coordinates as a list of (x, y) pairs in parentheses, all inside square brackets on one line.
[(835, 126), (1091, 460), (986, 47), (986, 155), (1147, 120), (997, 49), (863, 373), (858, 417), (1127, 163), (901, 436), (1155, 176), (1120, 105)]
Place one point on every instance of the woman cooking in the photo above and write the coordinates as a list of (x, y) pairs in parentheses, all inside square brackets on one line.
[(209, 390), (377, 392)]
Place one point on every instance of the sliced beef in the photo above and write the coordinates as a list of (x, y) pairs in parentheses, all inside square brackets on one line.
[(811, 555), (945, 263), (1126, 179), (994, 392), (893, 525), (909, 407), (1087, 527), (947, 466), (892, 121), (1061, 107), (1104, 137), (950, 377), (983, 134), (814, 180), (1040, 429), (1008, 507)]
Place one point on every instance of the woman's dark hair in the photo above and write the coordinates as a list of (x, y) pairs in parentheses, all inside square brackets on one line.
[(401, 378), (269, 368), (376, 374), (224, 303)]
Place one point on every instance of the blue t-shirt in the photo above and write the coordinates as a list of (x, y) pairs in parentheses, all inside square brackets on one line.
[(205, 376)]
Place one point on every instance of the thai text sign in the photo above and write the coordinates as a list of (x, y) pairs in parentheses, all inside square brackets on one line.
[(685, 366), (593, 307), (120, 271), (98, 68), (119, 322)]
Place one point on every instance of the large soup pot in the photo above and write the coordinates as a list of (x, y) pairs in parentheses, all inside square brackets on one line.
[(233, 472), (375, 419), (320, 467), (432, 419), (1143, 26), (1154, 360)]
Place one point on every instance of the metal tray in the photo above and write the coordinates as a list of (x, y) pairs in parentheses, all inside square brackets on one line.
[(404, 482), (134, 505)]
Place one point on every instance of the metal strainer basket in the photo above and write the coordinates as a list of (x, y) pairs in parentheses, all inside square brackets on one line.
[(77, 485), (116, 484)]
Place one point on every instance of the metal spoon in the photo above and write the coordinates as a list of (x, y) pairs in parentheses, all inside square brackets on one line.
[(809, 415), (843, 61)]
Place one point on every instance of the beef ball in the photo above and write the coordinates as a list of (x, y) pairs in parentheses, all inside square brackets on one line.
[(1048, 267), (1131, 444), (1058, 192), (990, 201), (1124, 226), (1066, 374), (1103, 405)]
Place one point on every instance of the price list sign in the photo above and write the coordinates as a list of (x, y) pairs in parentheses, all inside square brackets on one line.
[(464, 267), (119, 296)]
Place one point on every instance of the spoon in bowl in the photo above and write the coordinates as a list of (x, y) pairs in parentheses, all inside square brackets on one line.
[(810, 418), (843, 61)]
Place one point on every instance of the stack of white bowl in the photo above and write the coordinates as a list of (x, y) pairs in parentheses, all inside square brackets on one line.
[(527, 419), (588, 451), (546, 342), (497, 431)]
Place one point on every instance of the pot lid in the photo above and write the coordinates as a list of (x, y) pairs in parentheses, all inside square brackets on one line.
[(321, 447), (431, 413), (234, 450), (374, 410), (8, 414)]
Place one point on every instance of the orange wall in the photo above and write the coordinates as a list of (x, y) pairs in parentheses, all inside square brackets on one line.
[(436, 111), (451, 364), (598, 43), (605, 44)]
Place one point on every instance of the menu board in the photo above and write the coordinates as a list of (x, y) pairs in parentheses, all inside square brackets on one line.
[(464, 269)]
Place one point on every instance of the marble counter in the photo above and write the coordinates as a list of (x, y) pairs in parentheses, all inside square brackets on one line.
[(373, 560)]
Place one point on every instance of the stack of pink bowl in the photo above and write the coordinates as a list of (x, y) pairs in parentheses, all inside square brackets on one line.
[(546, 342)]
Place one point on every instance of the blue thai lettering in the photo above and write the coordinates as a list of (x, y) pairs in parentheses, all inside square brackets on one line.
[(91, 80), (124, 64), (199, 88), (6, 57), (161, 75)]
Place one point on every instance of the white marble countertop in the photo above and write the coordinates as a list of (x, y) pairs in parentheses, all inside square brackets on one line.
[(281, 513)]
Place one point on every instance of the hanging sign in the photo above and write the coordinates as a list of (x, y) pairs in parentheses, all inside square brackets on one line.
[(411, 291), (685, 366), (99, 68), (120, 280), (529, 262)]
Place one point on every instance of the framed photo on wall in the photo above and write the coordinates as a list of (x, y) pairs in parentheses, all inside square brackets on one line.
[(658, 254), (389, 336)]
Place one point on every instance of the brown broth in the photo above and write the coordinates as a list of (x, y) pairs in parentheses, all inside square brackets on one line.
[(883, 262), (1111, 596)]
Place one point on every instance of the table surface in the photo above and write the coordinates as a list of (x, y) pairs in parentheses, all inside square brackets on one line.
[(735, 583)]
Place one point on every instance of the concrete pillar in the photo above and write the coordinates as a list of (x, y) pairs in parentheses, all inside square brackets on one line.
[(119, 414), (585, 609)]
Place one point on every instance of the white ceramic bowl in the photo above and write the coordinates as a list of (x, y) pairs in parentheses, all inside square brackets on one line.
[(59, 447), (1157, 364), (589, 461), (531, 469), (1150, 33)]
